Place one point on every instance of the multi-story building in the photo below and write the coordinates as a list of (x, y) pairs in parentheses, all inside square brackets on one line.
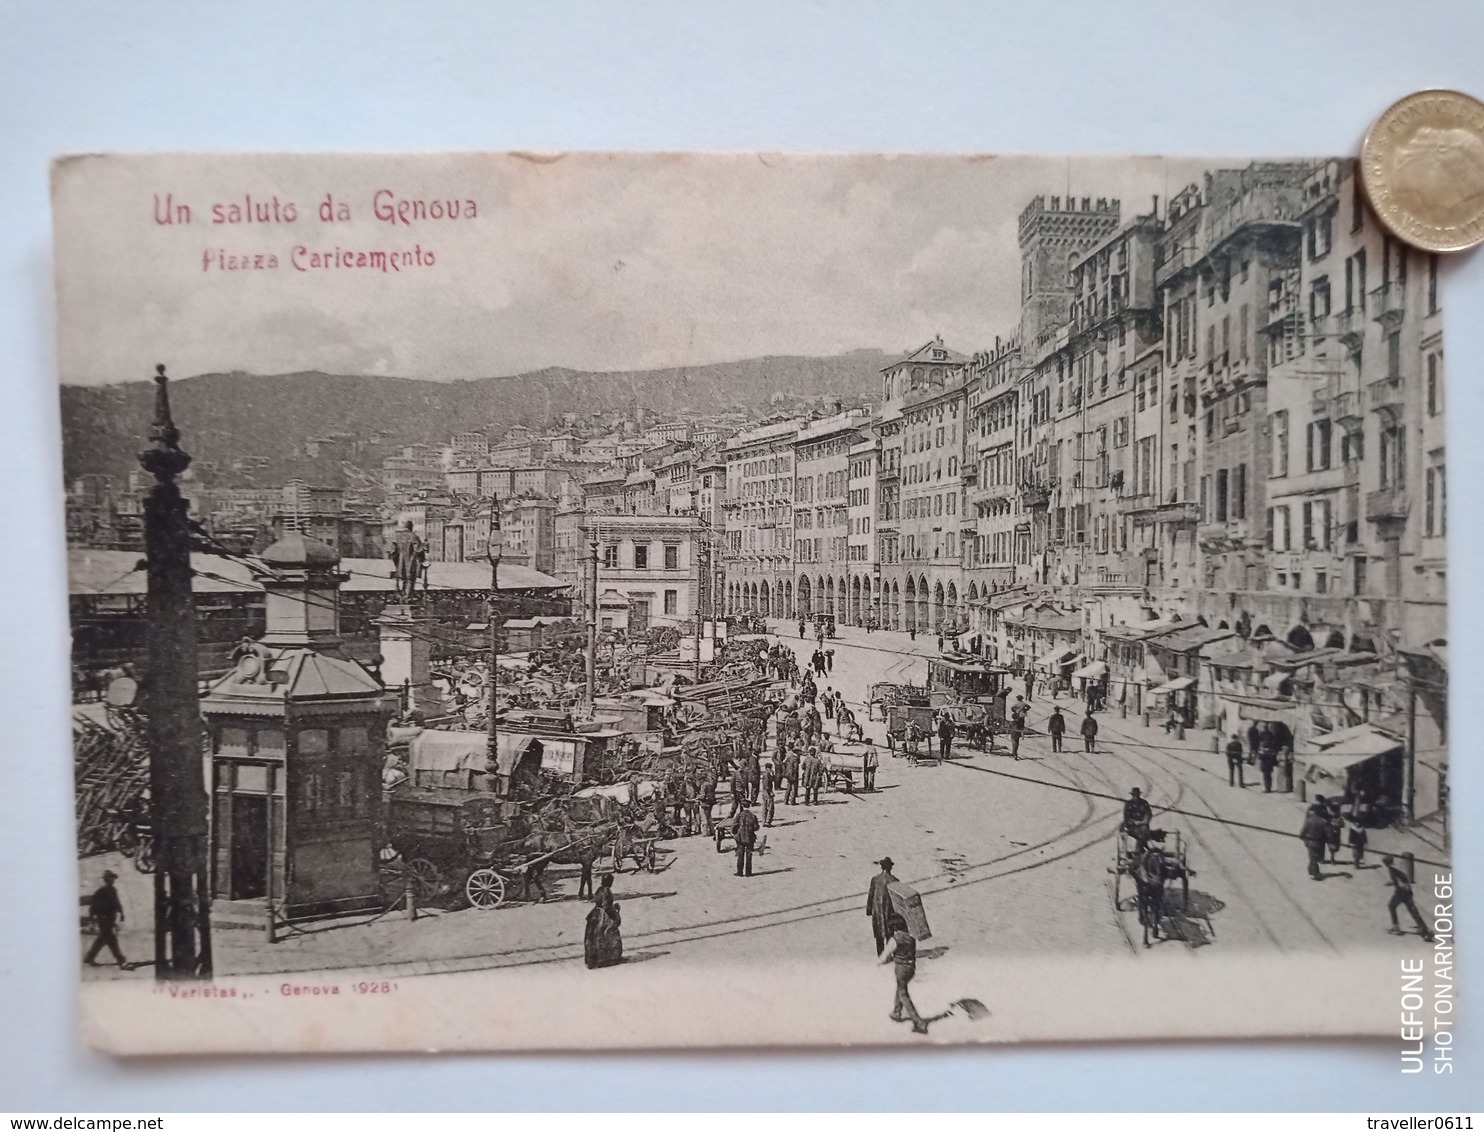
[(757, 552), (529, 527), (651, 570), (993, 493), (1356, 489), (862, 565), (1228, 251), (1051, 235), (925, 425), (820, 517)]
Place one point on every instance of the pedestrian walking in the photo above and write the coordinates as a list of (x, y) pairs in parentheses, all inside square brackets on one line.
[(1234, 759), (801, 628), (869, 762), (746, 834), (1030, 684), (1056, 727), (946, 731), (765, 791), (829, 661), (1336, 831), (912, 632), (878, 903), (812, 770), (791, 777), (707, 802), (1314, 832), (751, 770), (1254, 741), (1018, 711), (739, 789), (1089, 732), (106, 912), (901, 953), (1357, 839), (828, 700), (940, 642), (602, 942), (1401, 897), (1267, 761)]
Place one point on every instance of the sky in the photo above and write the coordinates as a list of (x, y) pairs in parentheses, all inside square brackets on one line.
[(588, 261)]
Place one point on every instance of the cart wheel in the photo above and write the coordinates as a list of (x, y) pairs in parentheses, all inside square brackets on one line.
[(144, 858), (424, 878), (485, 888)]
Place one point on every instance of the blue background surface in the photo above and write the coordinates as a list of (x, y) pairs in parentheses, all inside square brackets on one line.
[(1260, 78)]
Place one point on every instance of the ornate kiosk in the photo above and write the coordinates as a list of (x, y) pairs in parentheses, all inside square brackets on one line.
[(296, 742)]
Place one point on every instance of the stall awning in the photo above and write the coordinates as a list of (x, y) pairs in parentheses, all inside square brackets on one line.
[(1059, 656), (1361, 741), (1334, 765), (1274, 681), (1179, 684), (441, 751), (1094, 671)]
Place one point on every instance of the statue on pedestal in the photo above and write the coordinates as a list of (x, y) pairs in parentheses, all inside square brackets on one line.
[(409, 561)]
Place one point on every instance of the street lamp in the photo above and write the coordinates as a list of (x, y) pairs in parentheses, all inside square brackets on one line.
[(494, 549)]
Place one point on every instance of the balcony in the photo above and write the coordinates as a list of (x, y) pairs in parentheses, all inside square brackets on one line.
[(1389, 505), (1035, 496), (1390, 306), (1386, 396), (1344, 410), (1349, 327)]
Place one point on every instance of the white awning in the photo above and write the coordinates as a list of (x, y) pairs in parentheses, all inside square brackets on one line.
[(1058, 657), (1179, 684), (1094, 671), (1275, 681)]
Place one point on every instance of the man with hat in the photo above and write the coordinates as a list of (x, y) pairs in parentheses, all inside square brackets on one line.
[(878, 903), (1136, 812), (105, 910), (746, 834), (1315, 833)]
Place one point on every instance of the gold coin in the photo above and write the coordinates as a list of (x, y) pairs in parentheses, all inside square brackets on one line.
[(1422, 164)]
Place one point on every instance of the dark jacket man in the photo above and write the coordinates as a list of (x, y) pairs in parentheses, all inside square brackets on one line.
[(1089, 731), (746, 831), (1056, 727), (878, 903)]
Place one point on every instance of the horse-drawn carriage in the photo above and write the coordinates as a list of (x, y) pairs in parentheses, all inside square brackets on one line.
[(1152, 859)]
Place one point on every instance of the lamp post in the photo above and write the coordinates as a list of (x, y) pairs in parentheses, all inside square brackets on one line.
[(494, 549)]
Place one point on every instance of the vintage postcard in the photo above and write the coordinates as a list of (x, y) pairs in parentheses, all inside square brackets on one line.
[(542, 601)]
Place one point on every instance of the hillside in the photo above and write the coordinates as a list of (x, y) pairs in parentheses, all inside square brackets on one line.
[(227, 416)]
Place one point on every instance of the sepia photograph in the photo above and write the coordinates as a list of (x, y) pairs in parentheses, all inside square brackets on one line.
[(589, 600)]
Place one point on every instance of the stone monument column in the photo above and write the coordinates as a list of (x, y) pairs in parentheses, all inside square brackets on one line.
[(406, 666)]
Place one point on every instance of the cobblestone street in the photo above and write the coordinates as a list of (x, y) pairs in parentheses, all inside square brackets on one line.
[(1011, 857)]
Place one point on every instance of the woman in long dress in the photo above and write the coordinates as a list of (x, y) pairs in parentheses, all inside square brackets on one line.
[(602, 944)]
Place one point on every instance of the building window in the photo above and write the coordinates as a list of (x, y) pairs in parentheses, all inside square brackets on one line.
[(1319, 299), (1437, 500), (610, 556), (672, 557), (1278, 441), (1221, 495), (1432, 284), (1434, 387), (1321, 582), (672, 602), (1318, 449), (1239, 493), (641, 557)]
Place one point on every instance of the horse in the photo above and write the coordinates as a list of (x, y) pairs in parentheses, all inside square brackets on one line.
[(1151, 868), (564, 844)]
